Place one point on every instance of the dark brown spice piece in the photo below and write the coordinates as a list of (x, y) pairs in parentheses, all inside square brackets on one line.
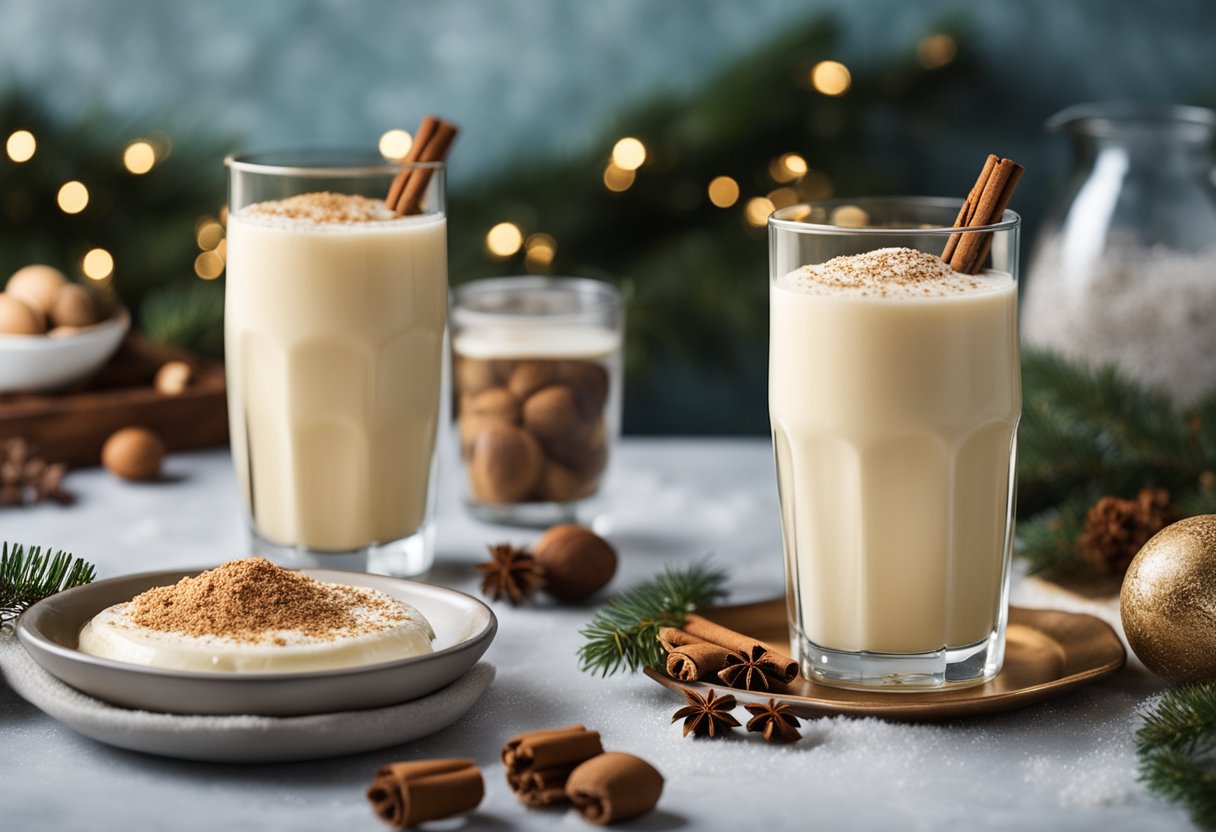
[(511, 573), (707, 716), (776, 722)]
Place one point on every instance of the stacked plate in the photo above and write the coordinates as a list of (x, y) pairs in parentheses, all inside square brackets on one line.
[(254, 717)]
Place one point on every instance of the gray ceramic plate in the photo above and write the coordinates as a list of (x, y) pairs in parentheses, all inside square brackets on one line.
[(464, 628)]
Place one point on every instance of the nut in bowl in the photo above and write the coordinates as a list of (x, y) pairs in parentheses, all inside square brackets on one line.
[(53, 332), (537, 380)]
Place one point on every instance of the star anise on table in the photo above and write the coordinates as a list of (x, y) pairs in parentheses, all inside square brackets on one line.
[(511, 573), (749, 671), (707, 716), (26, 478), (775, 721)]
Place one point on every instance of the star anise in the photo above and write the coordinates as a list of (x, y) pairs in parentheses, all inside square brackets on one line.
[(749, 671), (776, 722), (707, 716), (511, 572), (26, 478)]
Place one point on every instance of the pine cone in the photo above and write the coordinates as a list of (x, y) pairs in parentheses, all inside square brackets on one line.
[(1116, 528)]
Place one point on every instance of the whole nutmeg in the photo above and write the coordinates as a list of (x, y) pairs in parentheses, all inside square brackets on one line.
[(133, 454), (62, 331), (559, 484), (530, 376), (505, 465), (473, 375), (173, 378), (494, 403), (36, 286), (614, 787), (553, 414), (590, 384), (73, 306), (576, 561), (17, 318), (584, 453)]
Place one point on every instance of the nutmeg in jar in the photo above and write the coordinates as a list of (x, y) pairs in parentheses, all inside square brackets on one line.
[(536, 367)]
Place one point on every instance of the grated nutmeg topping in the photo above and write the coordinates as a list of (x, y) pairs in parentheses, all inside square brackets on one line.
[(253, 600), (320, 208), (889, 272)]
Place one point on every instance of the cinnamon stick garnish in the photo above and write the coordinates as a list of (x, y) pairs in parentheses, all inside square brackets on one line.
[(693, 662), (431, 144), (673, 637), (782, 667), (407, 794), (614, 787), (984, 205), (538, 762)]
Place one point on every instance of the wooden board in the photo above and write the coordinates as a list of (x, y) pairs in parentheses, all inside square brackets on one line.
[(72, 426)]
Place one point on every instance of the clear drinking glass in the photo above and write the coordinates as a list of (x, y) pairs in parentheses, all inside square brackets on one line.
[(894, 418), (537, 382), (334, 328)]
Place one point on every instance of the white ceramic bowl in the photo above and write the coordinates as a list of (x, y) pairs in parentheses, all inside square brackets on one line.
[(38, 363)]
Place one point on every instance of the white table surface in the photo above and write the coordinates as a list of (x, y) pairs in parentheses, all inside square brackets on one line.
[(1064, 765)]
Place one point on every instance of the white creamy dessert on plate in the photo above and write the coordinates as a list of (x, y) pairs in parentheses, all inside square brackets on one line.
[(254, 617)]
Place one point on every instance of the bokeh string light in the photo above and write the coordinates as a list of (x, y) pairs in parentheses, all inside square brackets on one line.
[(757, 210), (73, 196), (504, 240), (97, 264), (395, 144), (935, 51), (139, 157), (21, 146), (788, 167), (831, 78), (723, 191), (539, 251), (629, 153), (210, 234), (618, 179)]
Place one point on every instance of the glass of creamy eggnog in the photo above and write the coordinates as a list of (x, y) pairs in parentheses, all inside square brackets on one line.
[(894, 397), (334, 326)]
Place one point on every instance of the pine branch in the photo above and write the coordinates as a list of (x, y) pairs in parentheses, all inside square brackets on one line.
[(624, 634), (28, 576), (1086, 433), (190, 316), (1175, 747)]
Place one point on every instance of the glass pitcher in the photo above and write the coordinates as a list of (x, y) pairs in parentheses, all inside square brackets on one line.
[(1125, 267)]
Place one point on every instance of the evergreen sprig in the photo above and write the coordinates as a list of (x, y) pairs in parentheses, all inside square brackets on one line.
[(29, 575), (624, 634), (1086, 433), (1176, 744)]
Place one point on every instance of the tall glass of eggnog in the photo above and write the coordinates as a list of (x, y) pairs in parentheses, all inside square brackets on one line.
[(334, 325), (894, 396)]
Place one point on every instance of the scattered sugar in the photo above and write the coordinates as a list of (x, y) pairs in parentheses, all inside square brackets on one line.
[(1149, 311), (325, 209), (901, 273)]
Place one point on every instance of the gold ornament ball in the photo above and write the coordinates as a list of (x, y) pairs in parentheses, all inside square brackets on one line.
[(1168, 601)]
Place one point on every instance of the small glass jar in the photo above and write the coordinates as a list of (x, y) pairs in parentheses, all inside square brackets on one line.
[(1124, 271), (536, 368)]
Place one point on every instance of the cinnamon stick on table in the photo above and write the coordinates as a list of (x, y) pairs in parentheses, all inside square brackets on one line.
[(702, 660), (984, 205), (407, 794), (538, 762)]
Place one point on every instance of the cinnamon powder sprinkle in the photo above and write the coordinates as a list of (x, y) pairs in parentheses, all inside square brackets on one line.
[(319, 208), (251, 600), (890, 273)]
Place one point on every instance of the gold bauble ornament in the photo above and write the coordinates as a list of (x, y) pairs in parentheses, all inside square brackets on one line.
[(1168, 601)]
